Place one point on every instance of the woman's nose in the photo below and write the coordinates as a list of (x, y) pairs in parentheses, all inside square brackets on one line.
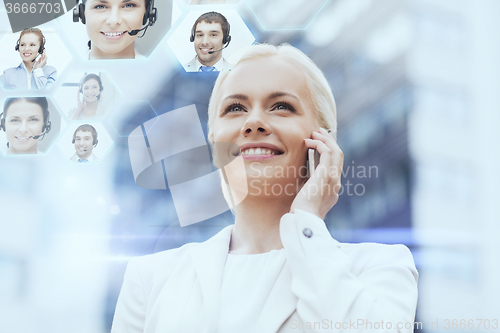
[(114, 17), (256, 123), (23, 127)]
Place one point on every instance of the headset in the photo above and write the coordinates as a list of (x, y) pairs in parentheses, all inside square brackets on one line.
[(84, 128), (40, 49), (47, 125), (150, 15), (225, 40)]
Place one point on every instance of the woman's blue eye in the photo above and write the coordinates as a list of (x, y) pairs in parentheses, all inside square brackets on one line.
[(283, 106), (236, 107), (99, 7), (34, 119), (130, 5)]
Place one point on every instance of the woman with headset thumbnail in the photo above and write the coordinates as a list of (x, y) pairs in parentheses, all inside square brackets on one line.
[(25, 121), (31, 73), (114, 25), (278, 268), (89, 105)]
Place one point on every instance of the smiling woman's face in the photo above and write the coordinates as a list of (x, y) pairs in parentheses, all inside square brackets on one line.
[(108, 22), (23, 121), (29, 45), (91, 90), (265, 109)]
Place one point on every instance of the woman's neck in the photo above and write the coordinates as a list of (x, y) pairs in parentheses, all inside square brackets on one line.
[(256, 226), (28, 65), (126, 53)]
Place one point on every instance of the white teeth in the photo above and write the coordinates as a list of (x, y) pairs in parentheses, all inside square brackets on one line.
[(259, 151), (113, 34)]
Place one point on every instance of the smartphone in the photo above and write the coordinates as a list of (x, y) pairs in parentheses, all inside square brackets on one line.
[(313, 158), (312, 161)]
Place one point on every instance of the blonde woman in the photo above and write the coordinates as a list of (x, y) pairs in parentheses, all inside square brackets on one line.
[(277, 269), (32, 73)]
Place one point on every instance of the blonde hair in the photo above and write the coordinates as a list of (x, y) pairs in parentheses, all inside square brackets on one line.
[(35, 31), (318, 90)]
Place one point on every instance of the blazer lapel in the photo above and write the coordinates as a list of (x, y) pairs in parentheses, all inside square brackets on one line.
[(281, 302), (209, 259)]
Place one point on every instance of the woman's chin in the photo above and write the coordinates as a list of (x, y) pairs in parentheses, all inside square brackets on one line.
[(22, 150), (115, 50), (269, 188)]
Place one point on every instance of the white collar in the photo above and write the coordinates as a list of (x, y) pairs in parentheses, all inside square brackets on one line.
[(92, 158), (219, 66)]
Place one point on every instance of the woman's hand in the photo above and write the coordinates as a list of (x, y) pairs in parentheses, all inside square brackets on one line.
[(42, 61), (80, 106), (320, 193)]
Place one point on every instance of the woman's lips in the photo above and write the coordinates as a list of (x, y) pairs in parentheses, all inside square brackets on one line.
[(261, 152), (114, 35), (23, 138)]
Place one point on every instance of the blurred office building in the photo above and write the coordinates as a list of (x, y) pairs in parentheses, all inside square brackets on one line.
[(417, 84)]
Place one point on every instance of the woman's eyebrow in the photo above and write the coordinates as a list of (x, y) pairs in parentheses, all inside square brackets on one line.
[(237, 96), (281, 94)]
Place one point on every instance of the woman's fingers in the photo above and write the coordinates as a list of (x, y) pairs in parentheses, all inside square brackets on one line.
[(326, 156), (328, 140)]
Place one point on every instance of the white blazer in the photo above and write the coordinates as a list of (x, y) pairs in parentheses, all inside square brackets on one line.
[(322, 282)]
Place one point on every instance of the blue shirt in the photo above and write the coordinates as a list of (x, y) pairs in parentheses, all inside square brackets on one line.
[(19, 77)]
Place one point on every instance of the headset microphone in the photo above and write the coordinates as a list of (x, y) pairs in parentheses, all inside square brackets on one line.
[(136, 31), (38, 136), (35, 58), (211, 52)]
